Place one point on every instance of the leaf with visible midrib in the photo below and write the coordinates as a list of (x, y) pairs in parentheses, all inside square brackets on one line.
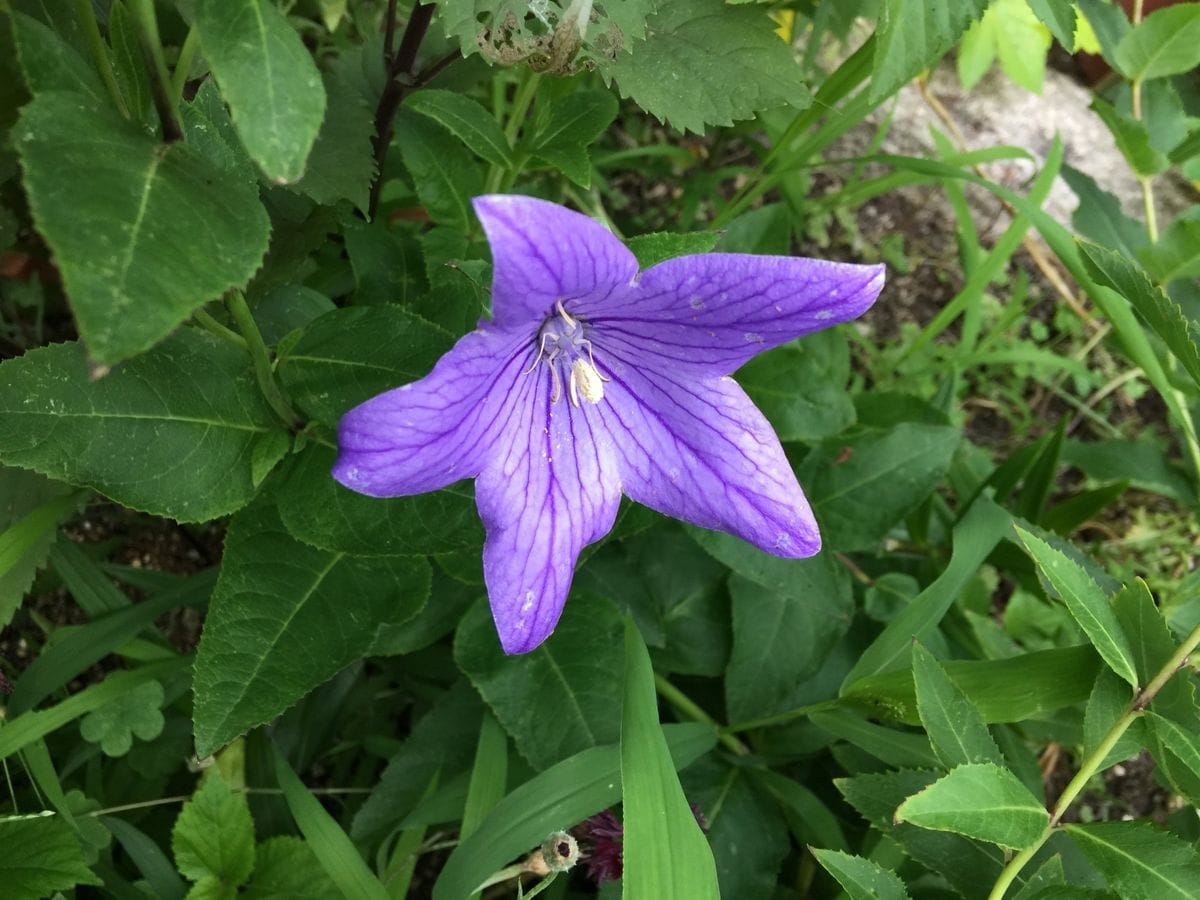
[(143, 233), (1138, 860), (284, 618), (170, 432), (269, 80)]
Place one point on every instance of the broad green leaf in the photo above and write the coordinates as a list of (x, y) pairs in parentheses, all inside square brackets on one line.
[(191, 407), (1177, 253), (269, 80), (467, 120), (974, 538), (50, 63), (1014, 689), (114, 725), (1138, 462), (1099, 216), (1059, 17), (567, 125), (31, 508), (284, 618), (664, 852), (387, 265), (148, 857), (342, 162), (747, 831), (966, 864), (1108, 703), (350, 355), (1184, 744), (1166, 42), (444, 174), (41, 857), (1132, 140), (982, 801), (129, 62), (333, 848), (861, 486), (213, 836), (285, 868), (860, 878), (1180, 333), (913, 35), (489, 776), (563, 795), (1086, 602), (319, 511), (1138, 860), (1009, 29), (1153, 646), (143, 233), (782, 636), (902, 749), (704, 63), (809, 817), (1108, 23), (562, 697), (954, 725), (655, 247), (801, 387)]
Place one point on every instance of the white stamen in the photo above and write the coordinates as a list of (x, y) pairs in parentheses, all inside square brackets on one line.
[(586, 380)]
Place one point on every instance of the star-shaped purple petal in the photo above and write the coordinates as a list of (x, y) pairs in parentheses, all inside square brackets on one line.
[(593, 380)]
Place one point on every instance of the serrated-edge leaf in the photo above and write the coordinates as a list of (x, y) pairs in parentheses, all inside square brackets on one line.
[(1166, 42), (467, 120), (955, 726), (861, 878)]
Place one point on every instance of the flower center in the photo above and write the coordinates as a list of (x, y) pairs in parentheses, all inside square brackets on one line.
[(563, 343)]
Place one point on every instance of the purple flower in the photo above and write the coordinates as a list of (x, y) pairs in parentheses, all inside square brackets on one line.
[(594, 380)]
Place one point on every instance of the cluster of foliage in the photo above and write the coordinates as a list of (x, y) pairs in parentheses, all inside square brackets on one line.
[(226, 222)]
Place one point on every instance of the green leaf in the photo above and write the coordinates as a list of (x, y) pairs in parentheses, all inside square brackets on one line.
[(659, 246), (387, 265), (974, 538), (1059, 17), (319, 511), (1184, 744), (342, 162), (567, 125), (809, 817), (1177, 253), (213, 836), (782, 636), (801, 387), (467, 120), (444, 174), (1162, 314), (275, 601), (489, 776), (705, 63), (1009, 29), (114, 725), (333, 848), (559, 699), (143, 233), (983, 801), (31, 508), (860, 878), (914, 34), (1013, 689), (41, 856), (861, 486), (285, 868), (1099, 216), (1086, 602), (269, 80), (1109, 24), (1138, 860), (1109, 701), (349, 355), (1166, 42), (129, 63), (191, 407), (566, 793), (1133, 140), (50, 63), (954, 725), (901, 749), (664, 852)]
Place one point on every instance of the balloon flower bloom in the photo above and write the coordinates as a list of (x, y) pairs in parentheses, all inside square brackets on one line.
[(594, 380)]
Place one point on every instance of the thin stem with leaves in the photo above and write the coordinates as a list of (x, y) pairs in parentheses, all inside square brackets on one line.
[(257, 348), (156, 69)]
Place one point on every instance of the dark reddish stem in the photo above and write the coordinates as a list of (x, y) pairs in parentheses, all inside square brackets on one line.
[(400, 79)]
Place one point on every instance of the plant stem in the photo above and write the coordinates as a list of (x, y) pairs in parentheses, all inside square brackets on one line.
[(500, 179), (257, 348), (692, 710), (86, 14), (206, 321), (183, 65), (156, 69), (399, 79), (1095, 760)]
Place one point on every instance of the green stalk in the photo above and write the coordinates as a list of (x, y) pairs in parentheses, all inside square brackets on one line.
[(692, 710), (238, 308), (187, 53), (86, 14), (498, 178), (206, 321), (1095, 760), (156, 65)]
